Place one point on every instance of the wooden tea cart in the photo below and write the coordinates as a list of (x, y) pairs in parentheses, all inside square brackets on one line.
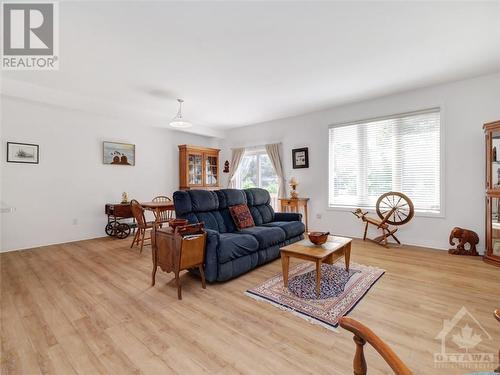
[(119, 224)]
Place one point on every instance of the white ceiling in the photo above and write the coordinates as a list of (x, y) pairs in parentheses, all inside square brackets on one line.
[(238, 63)]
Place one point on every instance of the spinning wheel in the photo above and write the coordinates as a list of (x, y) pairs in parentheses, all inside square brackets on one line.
[(392, 208), (397, 205)]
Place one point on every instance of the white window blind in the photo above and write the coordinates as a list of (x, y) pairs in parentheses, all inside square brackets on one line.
[(396, 153)]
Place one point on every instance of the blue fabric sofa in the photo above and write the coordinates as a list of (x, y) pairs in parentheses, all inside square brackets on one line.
[(231, 252)]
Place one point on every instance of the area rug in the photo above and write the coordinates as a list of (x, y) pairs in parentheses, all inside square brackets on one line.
[(340, 291)]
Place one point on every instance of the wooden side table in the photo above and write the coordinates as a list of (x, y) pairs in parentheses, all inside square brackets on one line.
[(177, 250), (295, 205)]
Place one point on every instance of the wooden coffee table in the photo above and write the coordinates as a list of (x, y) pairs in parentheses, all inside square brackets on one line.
[(334, 248)]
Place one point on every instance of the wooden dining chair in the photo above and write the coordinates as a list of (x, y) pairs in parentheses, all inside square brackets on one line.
[(166, 215), (143, 226), (363, 335)]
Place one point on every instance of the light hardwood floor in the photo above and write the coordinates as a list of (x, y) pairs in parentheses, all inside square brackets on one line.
[(87, 307)]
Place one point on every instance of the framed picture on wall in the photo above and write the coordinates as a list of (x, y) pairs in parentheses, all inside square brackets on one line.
[(26, 153), (118, 153), (300, 158)]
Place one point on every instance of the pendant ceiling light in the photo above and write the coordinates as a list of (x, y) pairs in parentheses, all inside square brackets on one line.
[(178, 121)]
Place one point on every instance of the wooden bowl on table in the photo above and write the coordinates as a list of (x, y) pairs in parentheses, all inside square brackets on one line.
[(318, 238), (174, 223)]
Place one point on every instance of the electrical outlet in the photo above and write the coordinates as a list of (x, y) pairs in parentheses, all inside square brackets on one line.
[(319, 216)]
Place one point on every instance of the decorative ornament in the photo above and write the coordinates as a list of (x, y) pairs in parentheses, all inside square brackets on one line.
[(293, 185), (124, 197)]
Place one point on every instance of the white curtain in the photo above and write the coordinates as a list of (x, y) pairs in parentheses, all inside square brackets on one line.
[(274, 153), (236, 156)]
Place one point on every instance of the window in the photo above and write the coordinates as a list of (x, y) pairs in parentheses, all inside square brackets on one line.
[(256, 170), (397, 153)]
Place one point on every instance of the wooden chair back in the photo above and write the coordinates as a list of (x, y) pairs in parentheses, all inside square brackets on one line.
[(138, 213), (166, 215), (363, 335)]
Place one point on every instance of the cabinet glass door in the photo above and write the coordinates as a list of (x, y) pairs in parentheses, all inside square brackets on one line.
[(494, 182), (211, 172), (494, 211), (195, 171)]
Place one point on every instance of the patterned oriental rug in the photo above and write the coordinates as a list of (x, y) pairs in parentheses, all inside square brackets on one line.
[(340, 291)]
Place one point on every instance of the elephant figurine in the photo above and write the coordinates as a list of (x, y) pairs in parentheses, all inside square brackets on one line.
[(463, 236)]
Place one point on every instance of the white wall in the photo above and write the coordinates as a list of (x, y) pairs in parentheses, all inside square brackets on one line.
[(466, 106), (71, 182)]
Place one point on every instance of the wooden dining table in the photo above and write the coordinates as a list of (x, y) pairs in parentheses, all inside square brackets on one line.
[(157, 208)]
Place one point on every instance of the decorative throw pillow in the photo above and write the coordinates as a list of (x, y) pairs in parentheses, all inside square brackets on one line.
[(241, 216)]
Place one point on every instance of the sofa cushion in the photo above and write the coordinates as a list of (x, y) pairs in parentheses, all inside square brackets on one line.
[(291, 228), (241, 216), (235, 245), (230, 197), (203, 200), (257, 196), (262, 214), (195, 201), (213, 220), (267, 236), (259, 205), (182, 203)]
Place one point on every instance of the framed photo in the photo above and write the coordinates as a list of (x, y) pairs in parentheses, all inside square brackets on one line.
[(26, 153), (118, 153), (300, 158)]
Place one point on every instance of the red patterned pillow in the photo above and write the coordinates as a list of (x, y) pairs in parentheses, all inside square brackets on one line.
[(241, 216)]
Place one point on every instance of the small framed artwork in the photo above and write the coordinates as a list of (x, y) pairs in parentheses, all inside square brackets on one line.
[(26, 153), (118, 153), (300, 158)]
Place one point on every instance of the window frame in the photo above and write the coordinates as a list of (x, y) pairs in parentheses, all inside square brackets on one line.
[(442, 134), (250, 152), (256, 152)]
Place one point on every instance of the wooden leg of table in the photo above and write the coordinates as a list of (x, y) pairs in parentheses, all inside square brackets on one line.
[(285, 262), (178, 282), (366, 230), (305, 213), (318, 277), (202, 274), (155, 266), (347, 256)]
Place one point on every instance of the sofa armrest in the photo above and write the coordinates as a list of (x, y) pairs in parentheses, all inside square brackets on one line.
[(287, 216), (211, 258)]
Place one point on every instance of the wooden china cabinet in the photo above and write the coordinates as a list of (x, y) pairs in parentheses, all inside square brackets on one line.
[(492, 134), (198, 167)]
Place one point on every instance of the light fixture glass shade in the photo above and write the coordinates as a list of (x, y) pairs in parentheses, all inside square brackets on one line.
[(178, 121)]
